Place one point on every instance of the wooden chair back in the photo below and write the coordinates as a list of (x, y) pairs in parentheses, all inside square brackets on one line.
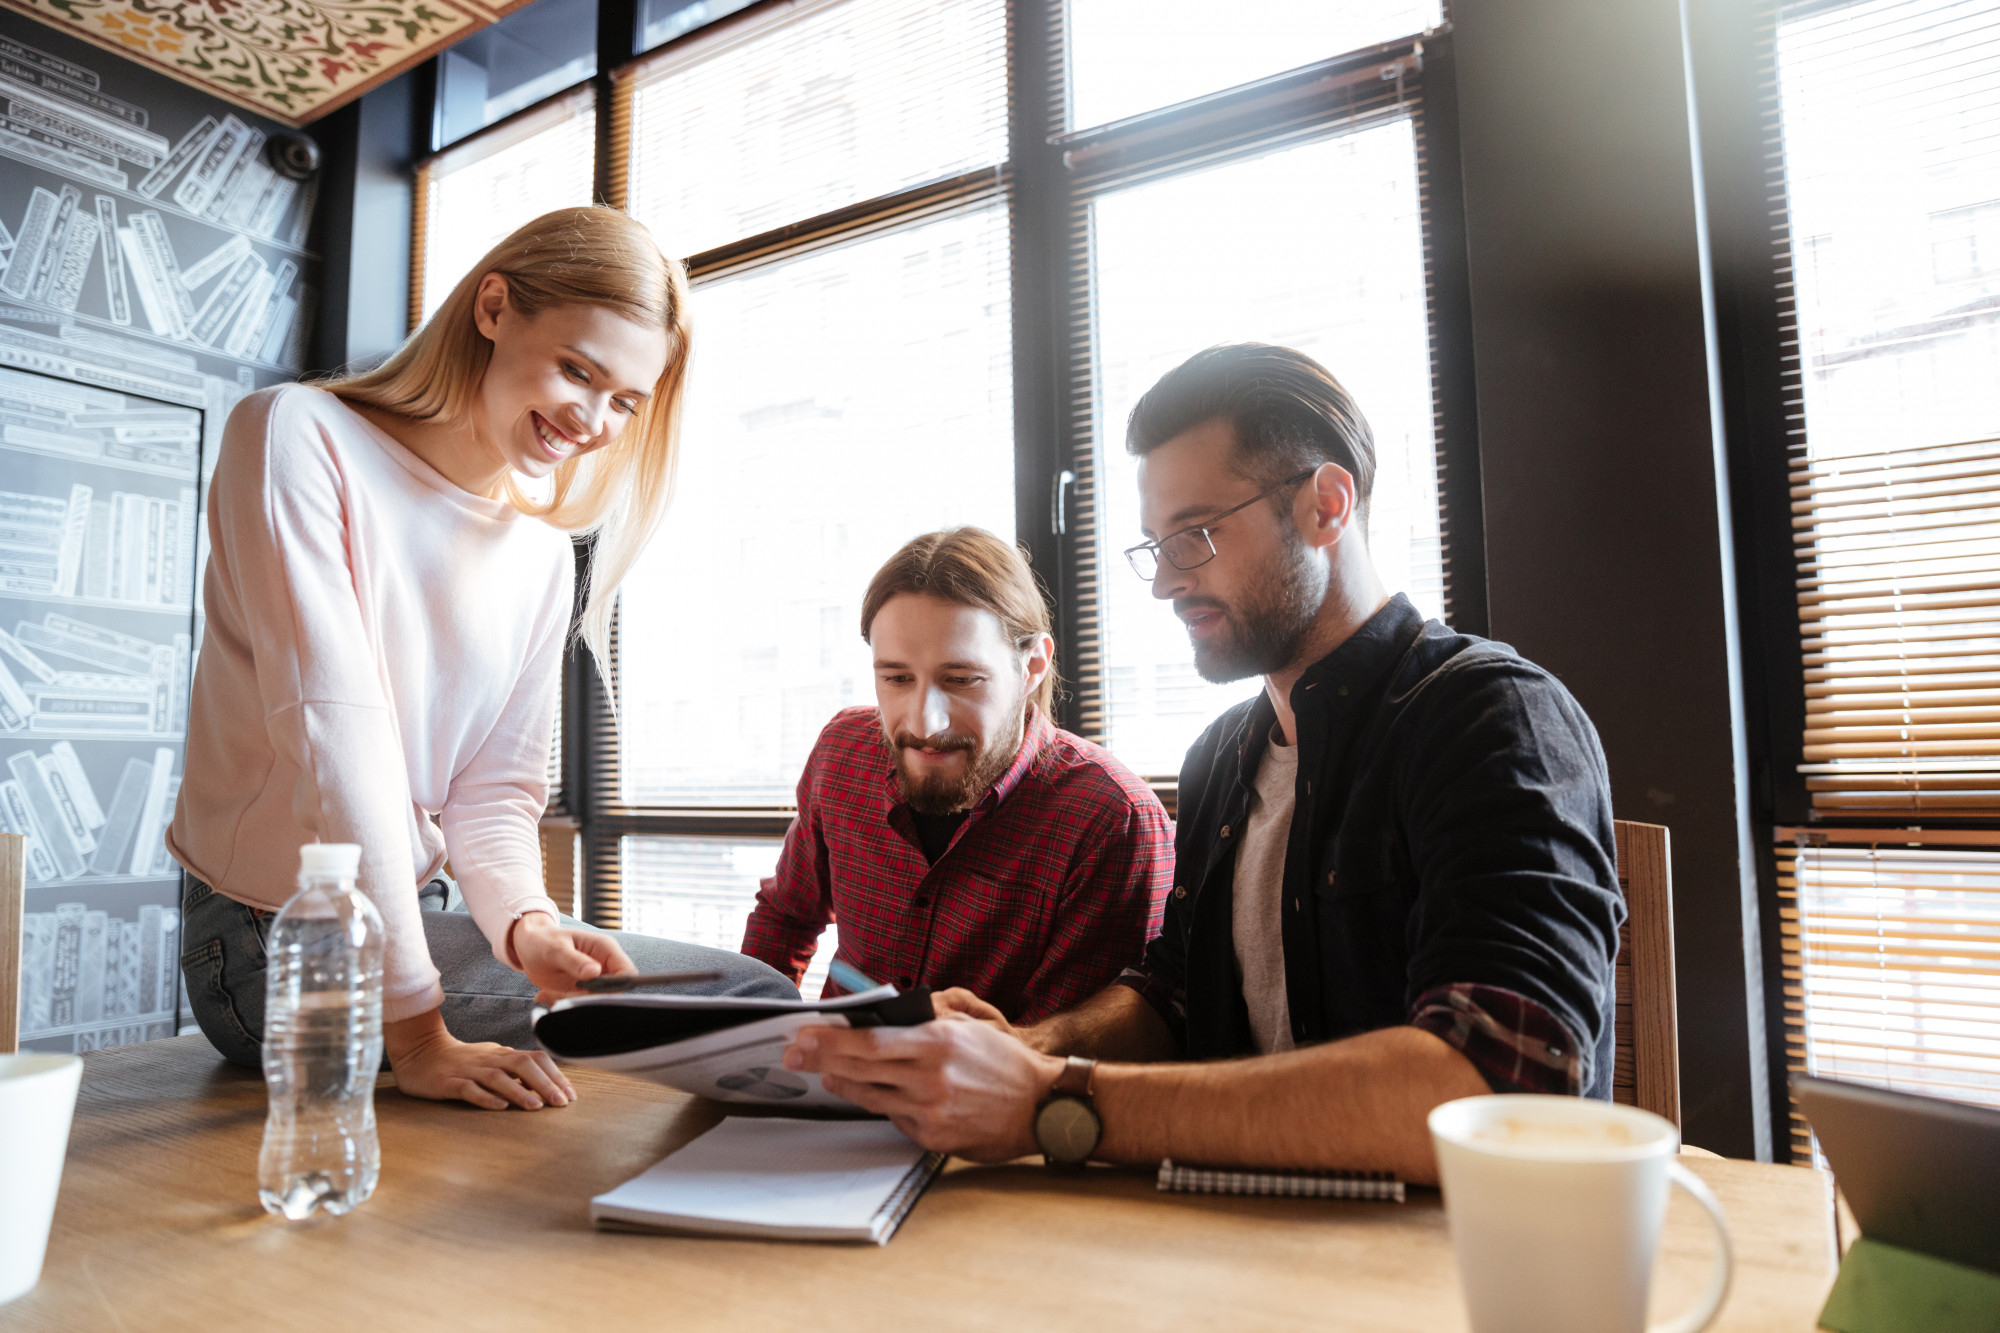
[(1647, 1072), (13, 902), (559, 839)]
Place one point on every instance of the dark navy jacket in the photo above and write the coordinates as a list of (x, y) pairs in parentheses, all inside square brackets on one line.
[(1453, 825)]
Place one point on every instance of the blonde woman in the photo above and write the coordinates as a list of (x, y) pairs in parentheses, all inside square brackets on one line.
[(388, 595)]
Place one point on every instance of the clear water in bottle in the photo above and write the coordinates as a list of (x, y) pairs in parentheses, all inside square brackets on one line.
[(322, 1041)]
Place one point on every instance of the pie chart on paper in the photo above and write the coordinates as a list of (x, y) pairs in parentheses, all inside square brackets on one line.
[(763, 1081)]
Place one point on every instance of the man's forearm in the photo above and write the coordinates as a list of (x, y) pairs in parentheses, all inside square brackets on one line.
[(1115, 1024), (1358, 1103)]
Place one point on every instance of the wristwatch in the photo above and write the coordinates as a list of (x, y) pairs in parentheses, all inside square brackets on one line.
[(1066, 1125)]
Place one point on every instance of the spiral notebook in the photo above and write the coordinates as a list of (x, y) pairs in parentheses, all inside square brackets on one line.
[(1377, 1185), (774, 1178)]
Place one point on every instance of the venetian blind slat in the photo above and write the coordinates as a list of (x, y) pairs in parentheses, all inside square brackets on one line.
[(1891, 966), (1902, 642)]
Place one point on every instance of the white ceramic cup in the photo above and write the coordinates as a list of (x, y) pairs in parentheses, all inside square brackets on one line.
[(37, 1096), (1555, 1206)]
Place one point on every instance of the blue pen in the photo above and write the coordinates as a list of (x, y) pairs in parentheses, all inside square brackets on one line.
[(849, 978), (904, 1009)]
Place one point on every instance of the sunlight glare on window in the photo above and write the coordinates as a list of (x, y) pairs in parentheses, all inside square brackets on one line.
[(481, 192), (844, 103), (842, 403), (1338, 273), (1132, 56), (701, 891)]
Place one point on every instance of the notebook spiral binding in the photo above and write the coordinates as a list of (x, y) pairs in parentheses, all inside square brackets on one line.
[(1381, 1186), (897, 1206)]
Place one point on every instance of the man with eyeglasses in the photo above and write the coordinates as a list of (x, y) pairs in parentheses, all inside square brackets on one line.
[(1394, 879)]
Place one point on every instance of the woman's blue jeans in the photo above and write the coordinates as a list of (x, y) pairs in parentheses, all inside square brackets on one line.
[(222, 957)]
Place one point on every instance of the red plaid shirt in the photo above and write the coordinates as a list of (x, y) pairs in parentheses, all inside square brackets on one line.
[(1051, 886)]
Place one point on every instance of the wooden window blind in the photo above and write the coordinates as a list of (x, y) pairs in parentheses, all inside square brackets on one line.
[(1885, 176), (1892, 968), (1899, 604)]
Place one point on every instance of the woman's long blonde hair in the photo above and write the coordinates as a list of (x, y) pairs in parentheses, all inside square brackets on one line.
[(616, 494)]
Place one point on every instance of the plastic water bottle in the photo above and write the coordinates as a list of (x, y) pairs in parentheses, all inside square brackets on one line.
[(322, 1041)]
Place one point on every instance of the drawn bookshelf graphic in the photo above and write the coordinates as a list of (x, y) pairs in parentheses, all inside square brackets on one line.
[(197, 241), (98, 545), (153, 271), (92, 980)]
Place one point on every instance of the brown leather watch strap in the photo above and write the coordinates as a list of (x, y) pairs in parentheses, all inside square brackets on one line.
[(1076, 1075)]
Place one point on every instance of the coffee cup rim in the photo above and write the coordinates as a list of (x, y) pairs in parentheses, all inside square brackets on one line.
[(1453, 1123), (26, 1066)]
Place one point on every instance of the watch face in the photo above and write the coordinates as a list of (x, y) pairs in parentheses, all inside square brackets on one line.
[(1066, 1128)]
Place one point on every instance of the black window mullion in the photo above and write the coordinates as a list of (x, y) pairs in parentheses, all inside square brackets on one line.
[(590, 758), (1036, 206), (617, 43), (1461, 511)]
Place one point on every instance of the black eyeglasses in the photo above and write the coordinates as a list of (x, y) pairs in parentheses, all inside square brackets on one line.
[(1191, 548)]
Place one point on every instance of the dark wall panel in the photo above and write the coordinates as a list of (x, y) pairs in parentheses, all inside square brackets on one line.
[(1606, 508), (372, 145)]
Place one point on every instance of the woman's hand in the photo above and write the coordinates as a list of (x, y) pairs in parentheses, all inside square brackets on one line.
[(556, 957), (430, 1062)]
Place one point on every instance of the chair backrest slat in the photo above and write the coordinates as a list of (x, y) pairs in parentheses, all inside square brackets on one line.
[(1647, 1074), (13, 902)]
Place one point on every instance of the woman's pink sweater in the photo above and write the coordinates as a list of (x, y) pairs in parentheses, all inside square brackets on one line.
[(379, 666)]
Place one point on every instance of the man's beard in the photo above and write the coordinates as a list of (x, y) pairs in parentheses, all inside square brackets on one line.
[(936, 794), (1267, 631)]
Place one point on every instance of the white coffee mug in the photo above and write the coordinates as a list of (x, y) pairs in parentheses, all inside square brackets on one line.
[(1555, 1206), (37, 1096)]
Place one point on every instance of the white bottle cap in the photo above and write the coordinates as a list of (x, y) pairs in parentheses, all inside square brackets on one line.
[(330, 860)]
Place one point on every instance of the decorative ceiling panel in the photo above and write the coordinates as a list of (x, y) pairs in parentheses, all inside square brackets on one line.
[(291, 60)]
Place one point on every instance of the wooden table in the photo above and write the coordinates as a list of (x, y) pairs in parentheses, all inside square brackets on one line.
[(482, 1222)]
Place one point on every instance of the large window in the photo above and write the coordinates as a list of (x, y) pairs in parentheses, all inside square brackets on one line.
[(811, 109), (1891, 172), (1337, 273), (848, 399), (938, 248), (471, 196), (547, 47)]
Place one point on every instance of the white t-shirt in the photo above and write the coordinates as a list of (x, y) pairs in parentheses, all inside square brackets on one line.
[(1257, 899)]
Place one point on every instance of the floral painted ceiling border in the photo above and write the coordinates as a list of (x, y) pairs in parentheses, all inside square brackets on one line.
[(291, 60)]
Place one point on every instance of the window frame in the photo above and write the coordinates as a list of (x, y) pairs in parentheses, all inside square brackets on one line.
[(1045, 186), (1749, 221)]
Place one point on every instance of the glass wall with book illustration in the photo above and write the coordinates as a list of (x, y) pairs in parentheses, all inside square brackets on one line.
[(153, 271), (96, 584)]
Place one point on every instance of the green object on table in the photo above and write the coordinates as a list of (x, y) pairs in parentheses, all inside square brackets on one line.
[(1887, 1289)]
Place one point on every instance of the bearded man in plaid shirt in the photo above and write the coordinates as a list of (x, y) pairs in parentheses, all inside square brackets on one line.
[(958, 836)]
